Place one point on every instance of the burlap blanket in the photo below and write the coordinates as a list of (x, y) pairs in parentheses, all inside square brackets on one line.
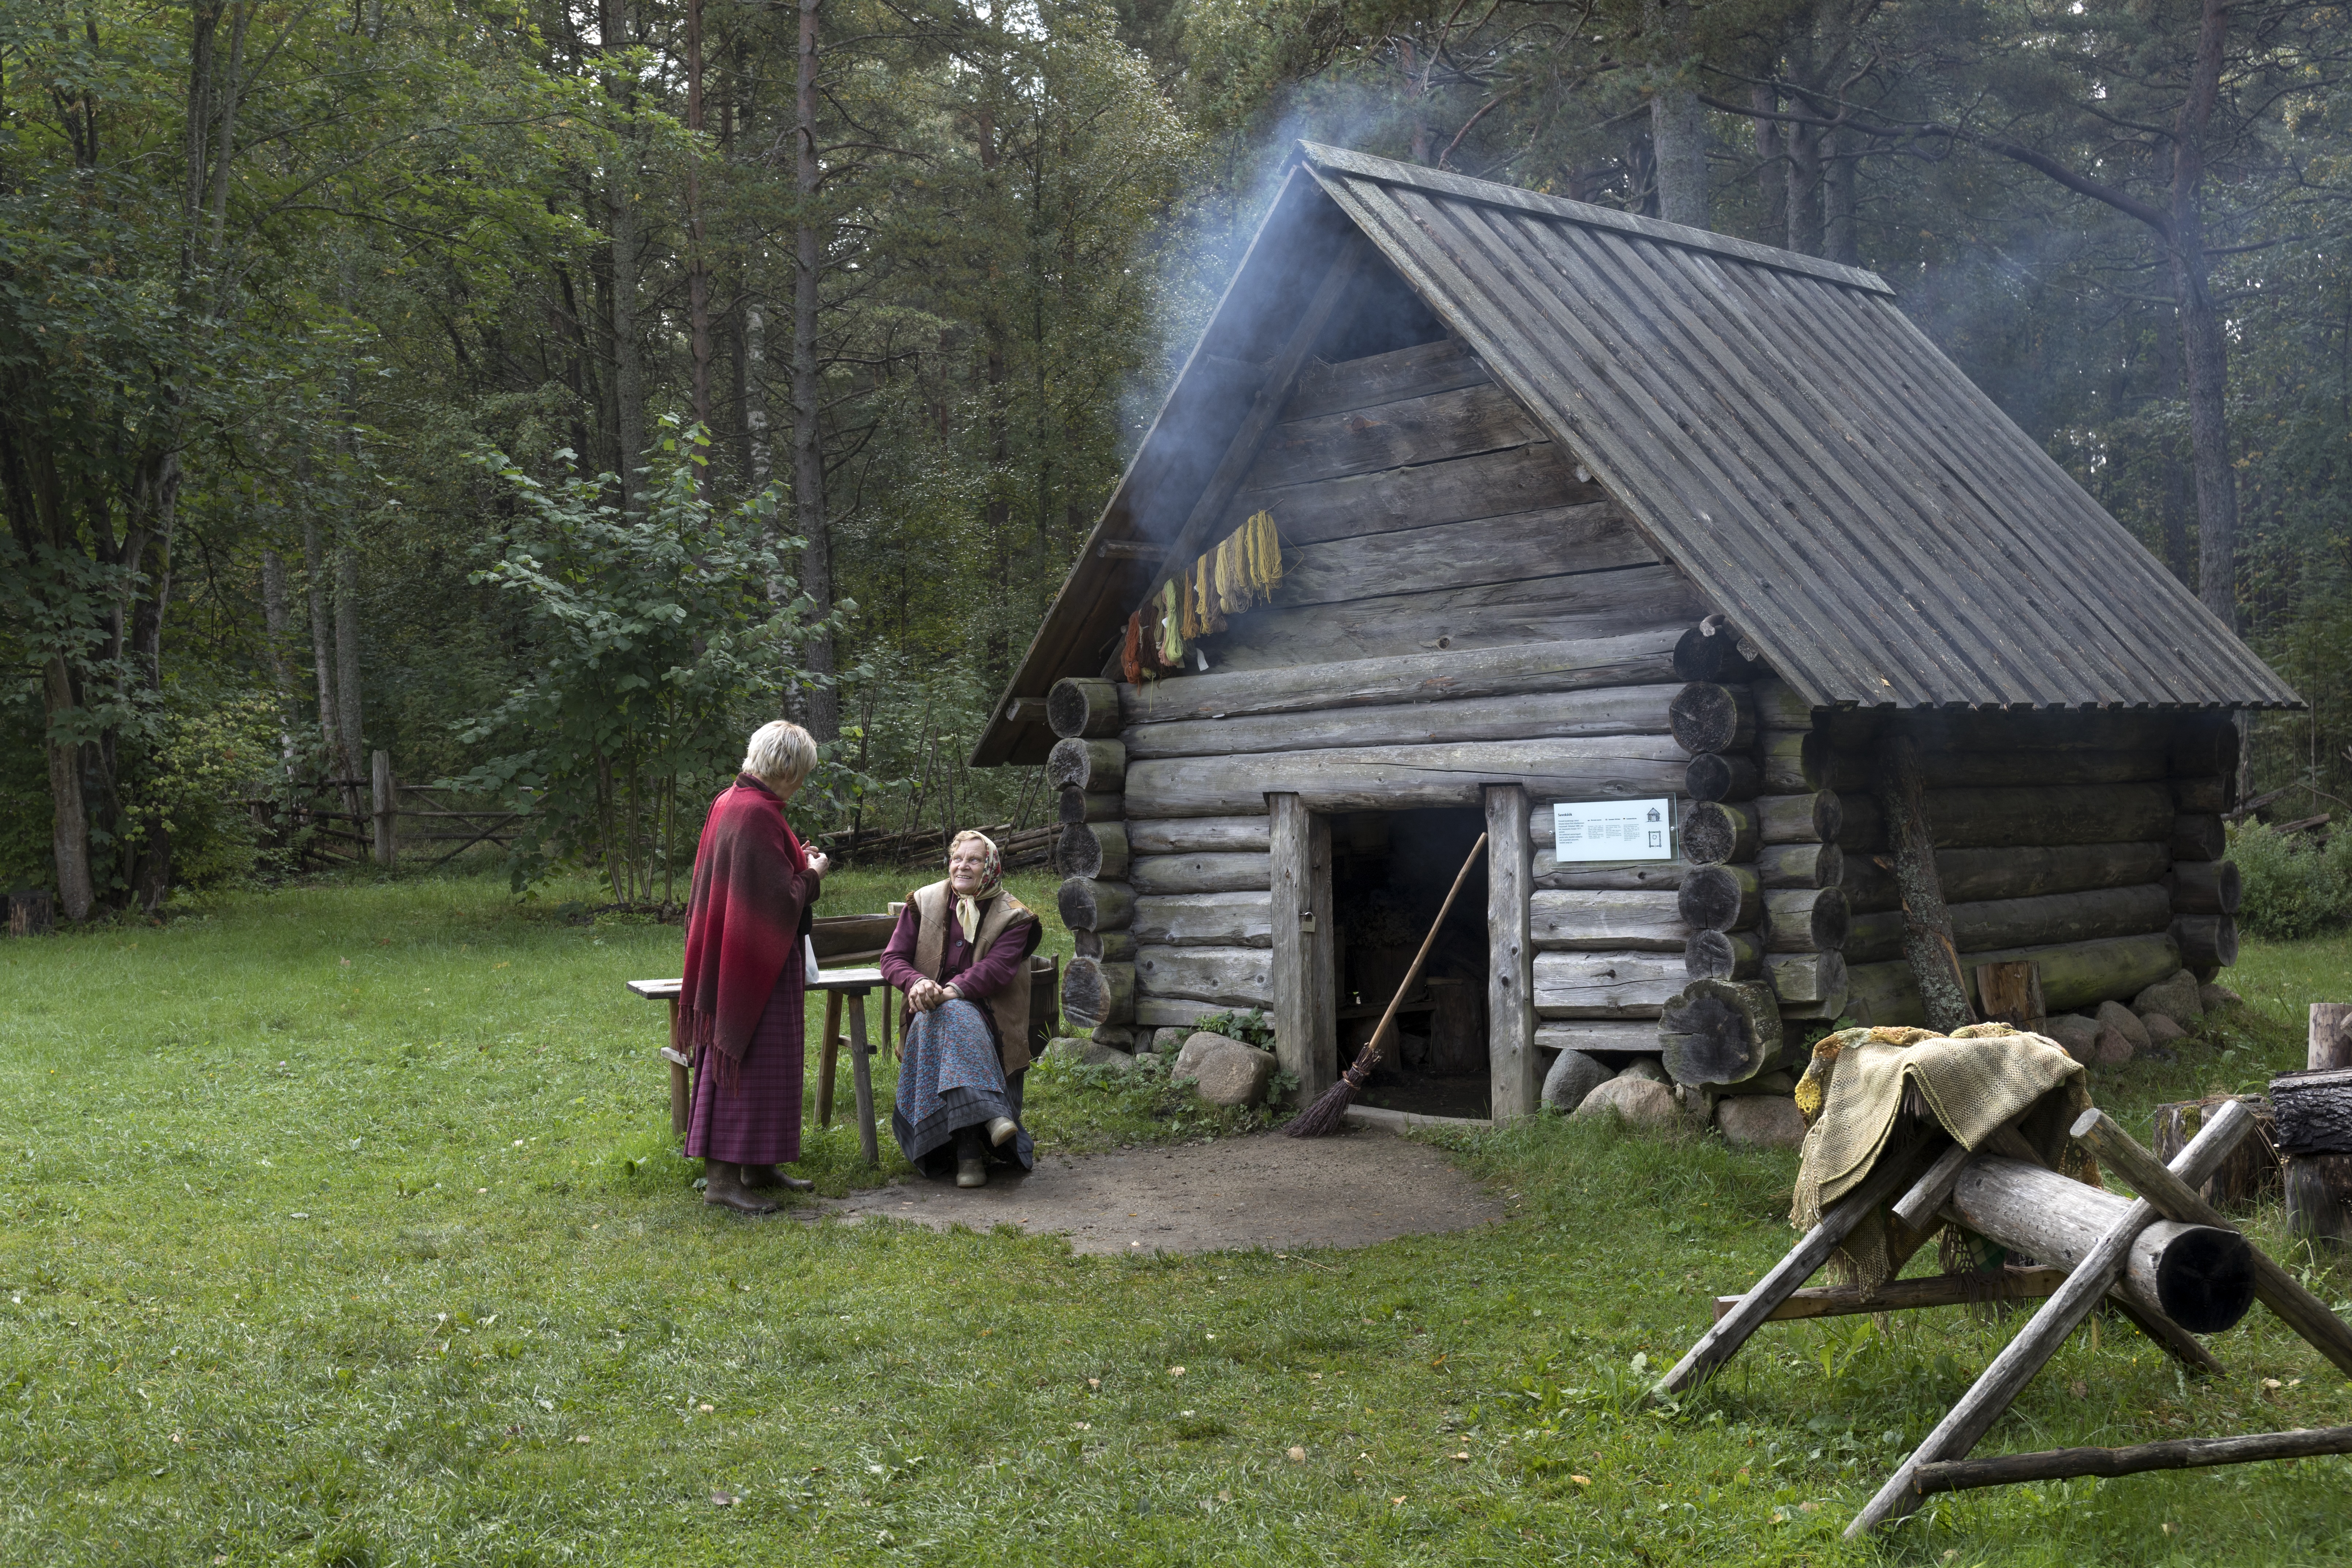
[(1869, 1094)]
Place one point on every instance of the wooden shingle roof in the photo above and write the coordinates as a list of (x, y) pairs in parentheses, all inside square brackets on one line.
[(1773, 424)]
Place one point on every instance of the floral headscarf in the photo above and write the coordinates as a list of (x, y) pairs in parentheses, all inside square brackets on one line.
[(991, 878)]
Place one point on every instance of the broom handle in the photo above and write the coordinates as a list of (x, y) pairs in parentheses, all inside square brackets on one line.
[(1371, 1050)]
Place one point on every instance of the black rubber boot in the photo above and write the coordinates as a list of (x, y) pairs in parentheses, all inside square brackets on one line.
[(723, 1186), (767, 1179)]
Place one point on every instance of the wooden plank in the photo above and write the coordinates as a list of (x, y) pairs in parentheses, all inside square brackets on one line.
[(1513, 1070), (1547, 609), (1205, 920), (1375, 379), (1424, 429), (2077, 974), (1229, 976), (2011, 1284), (1600, 1036), (1198, 834), (1201, 873), (1389, 778), (1545, 543), (1979, 876), (1306, 1023), (1486, 484), (1551, 875), (1648, 922), (2133, 1459), (2046, 922), (1606, 984), (1631, 658), (1526, 716)]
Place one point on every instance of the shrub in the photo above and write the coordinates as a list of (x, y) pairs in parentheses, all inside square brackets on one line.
[(2293, 888)]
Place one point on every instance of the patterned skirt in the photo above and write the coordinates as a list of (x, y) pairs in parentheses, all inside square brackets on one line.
[(948, 1077), (755, 1119)]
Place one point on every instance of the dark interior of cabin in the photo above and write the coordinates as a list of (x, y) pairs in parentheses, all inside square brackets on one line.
[(1389, 873)]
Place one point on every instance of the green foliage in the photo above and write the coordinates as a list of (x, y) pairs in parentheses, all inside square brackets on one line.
[(1252, 1029), (655, 639), (2293, 888), (213, 749)]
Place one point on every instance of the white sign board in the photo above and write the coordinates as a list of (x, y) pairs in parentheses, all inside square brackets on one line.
[(1589, 830)]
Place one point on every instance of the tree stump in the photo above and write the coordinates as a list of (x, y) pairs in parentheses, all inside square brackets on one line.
[(2314, 1110), (2331, 1035), (2252, 1171), (2012, 994), (31, 912), (2319, 1197)]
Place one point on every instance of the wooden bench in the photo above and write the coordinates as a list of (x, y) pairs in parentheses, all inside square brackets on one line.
[(852, 984)]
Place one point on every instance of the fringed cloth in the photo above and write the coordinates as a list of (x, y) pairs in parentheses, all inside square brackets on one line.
[(744, 916), (948, 1077), (1870, 1094)]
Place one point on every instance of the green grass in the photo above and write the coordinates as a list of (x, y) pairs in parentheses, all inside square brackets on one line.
[(336, 1218)]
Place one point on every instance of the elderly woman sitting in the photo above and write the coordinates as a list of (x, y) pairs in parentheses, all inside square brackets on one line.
[(740, 1008), (961, 953)]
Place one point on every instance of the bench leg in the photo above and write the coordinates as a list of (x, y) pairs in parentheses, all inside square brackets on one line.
[(682, 1094), (862, 1074), (828, 1058)]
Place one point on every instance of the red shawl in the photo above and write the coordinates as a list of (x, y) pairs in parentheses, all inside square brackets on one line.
[(743, 920)]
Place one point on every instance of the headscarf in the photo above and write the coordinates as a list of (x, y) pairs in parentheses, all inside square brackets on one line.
[(991, 882)]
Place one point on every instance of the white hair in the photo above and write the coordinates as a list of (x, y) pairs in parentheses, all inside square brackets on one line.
[(780, 755)]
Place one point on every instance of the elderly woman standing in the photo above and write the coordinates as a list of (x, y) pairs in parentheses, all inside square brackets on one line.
[(740, 1014), (961, 953)]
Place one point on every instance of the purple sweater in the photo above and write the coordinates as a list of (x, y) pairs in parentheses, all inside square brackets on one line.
[(986, 977)]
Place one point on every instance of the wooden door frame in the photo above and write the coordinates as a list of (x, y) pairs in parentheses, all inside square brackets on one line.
[(1306, 978), (1513, 1068)]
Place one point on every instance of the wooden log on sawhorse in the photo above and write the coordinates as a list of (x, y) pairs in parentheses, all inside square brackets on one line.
[(1965, 1425), (2181, 1454)]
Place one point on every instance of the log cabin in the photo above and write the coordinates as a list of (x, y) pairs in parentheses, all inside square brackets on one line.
[(1579, 508)]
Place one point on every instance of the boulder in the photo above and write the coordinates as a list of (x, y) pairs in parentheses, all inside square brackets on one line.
[(2161, 1031), (1573, 1076), (1197, 1046), (1233, 1074), (2215, 997), (1168, 1042), (1088, 1053), (2112, 1049), (2124, 1022), (1761, 1121), (1645, 1068), (1775, 1083), (2175, 998), (2079, 1034), (1641, 1101)]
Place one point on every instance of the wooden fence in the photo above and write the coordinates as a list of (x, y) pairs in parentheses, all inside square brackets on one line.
[(401, 821)]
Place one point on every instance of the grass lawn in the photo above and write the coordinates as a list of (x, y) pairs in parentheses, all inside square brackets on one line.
[(343, 1227)]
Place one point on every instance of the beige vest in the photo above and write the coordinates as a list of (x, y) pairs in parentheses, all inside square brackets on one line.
[(935, 907)]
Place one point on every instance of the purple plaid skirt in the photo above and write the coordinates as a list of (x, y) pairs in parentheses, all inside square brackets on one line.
[(757, 1122)]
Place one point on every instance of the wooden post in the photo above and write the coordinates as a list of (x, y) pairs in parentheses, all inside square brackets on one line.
[(1927, 924), (2012, 994), (387, 802), (1306, 1022), (1513, 1070), (829, 1059), (2331, 1035), (861, 1075)]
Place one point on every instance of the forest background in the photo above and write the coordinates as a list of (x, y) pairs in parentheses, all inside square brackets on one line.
[(546, 394)]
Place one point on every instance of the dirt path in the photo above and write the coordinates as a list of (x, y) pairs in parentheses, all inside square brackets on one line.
[(1365, 1186)]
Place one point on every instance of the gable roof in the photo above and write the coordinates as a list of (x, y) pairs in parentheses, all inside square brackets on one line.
[(1772, 424)]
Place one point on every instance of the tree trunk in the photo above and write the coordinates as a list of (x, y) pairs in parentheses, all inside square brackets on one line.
[(1771, 174), (322, 638), (69, 822), (2205, 349), (628, 365), (347, 663), (698, 270), (822, 701), (1678, 135), (2176, 473), (1927, 925), (281, 671), (1841, 237)]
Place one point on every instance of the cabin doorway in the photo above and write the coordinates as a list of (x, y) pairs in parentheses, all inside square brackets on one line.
[(1389, 873)]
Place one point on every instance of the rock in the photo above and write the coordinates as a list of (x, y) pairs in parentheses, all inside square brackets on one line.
[(1645, 1068), (1117, 1036), (1641, 1101), (2079, 1034), (1168, 1042), (2175, 998), (1775, 1083), (1198, 1045), (2124, 1021), (2112, 1049), (1573, 1076), (2161, 1030), (1233, 1074), (2216, 998), (1088, 1053), (1761, 1121)]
